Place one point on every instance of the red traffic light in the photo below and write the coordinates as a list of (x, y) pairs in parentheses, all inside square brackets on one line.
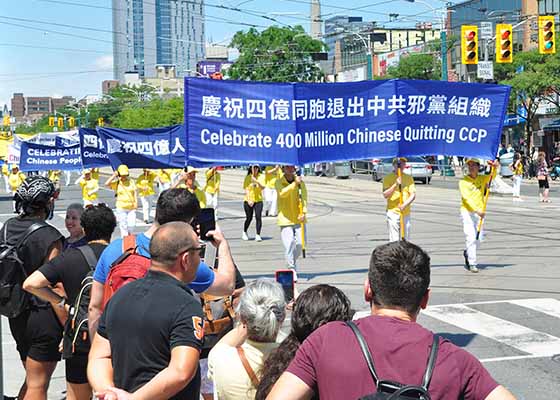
[(471, 35), (547, 26), (505, 35)]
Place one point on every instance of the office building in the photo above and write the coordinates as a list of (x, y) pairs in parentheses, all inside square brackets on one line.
[(148, 33)]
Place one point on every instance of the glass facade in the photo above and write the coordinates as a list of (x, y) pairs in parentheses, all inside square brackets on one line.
[(549, 7)]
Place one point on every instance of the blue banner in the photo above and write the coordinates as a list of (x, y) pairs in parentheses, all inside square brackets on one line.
[(39, 157), (145, 148), (93, 149), (234, 122)]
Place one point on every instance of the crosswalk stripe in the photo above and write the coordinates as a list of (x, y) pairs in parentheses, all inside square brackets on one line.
[(517, 336), (546, 306)]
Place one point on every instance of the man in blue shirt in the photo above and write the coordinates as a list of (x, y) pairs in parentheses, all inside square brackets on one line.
[(172, 205)]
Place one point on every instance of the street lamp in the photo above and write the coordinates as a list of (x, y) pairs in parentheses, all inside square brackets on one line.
[(442, 37), (369, 50)]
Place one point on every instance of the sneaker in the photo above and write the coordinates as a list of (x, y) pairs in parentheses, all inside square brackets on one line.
[(473, 268), (467, 266), (244, 236), (258, 238)]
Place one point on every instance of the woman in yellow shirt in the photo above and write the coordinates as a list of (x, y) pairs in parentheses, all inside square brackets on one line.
[(15, 179), (517, 168), (90, 187), (6, 174), (253, 185), (187, 180), (163, 179), (212, 188), (145, 185), (271, 174), (127, 201)]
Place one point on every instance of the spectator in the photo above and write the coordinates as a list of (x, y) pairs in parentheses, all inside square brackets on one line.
[(150, 335), (172, 205), (127, 199), (253, 185), (236, 360), (313, 308), (72, 223), (331, 365), (542, 177), (36, 331), (70, 268)]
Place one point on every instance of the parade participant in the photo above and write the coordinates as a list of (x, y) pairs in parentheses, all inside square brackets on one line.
[(90, 187), (54, 176), (253, 185), (291, 191), (146, 191), (95, 174), (517, 168), (542, 177), (159, 318), (163, 179), (212, 188), (70, 269), (127, 201), (15, 179), (36, 331), (187, 180), (271, 174), (400, 192), (73, 226), (5, 175), (473, 208)]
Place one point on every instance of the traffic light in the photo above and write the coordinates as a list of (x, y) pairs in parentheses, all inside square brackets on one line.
[(504, 43), (71, 122), (100, 121), (469, 44), (6, 120), (51, 121), (60, 122), (547, 31)]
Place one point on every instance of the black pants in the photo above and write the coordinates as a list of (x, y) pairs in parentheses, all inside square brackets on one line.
[(257, 208)]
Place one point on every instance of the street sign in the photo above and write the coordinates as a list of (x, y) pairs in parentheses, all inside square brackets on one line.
[(485, 70), (486, 31)]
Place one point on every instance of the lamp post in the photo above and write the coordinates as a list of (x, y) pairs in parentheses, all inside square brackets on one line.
[(369, 50), (442, 36)]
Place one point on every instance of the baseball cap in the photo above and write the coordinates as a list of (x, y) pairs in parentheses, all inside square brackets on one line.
[(123, 170)]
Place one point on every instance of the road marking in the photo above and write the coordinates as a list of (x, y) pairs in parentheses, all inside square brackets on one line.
[(517, 336), (546, 306), (512, 358)]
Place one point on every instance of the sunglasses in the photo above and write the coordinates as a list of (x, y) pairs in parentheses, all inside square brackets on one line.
[(201, 249)]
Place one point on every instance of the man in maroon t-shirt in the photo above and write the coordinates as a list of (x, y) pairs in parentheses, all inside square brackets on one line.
[(331, 365)]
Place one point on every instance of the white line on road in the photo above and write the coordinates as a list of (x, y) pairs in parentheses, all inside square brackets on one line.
[(517, 336), (546, 306)]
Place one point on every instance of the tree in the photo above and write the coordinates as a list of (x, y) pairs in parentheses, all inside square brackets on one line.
[(151, 114), (416, 66), (276, 55)]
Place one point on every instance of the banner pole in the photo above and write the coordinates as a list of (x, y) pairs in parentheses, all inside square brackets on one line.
[(401, 217), (302, 224), (485, 203)]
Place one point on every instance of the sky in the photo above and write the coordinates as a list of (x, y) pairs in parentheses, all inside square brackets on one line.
[(64, 47)]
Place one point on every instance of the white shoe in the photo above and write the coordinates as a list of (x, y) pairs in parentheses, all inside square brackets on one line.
[(258, 238), (244, 236), (473, 268)]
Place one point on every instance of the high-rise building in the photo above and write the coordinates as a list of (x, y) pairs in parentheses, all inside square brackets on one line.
[(148, 33)]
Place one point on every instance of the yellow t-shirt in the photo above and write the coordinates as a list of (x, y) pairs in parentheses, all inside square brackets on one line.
[(95, 174), (213, 180), (164, 175), (288, 201), (126, 194), (54, 175), (145, 184), (472, 192), (519, 169), (253, 192), (89, 186), (408, 188), (271, 177), (14, 180), (5, 169), (200, 195)]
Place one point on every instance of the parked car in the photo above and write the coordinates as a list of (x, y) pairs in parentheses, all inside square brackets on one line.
[(365, 166), (417, 167)]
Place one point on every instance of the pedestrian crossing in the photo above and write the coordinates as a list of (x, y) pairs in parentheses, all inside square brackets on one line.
[(491, 322)]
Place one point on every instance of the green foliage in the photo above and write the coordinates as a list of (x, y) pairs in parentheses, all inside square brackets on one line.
[(416, 66), (151, 114), (276, 55)]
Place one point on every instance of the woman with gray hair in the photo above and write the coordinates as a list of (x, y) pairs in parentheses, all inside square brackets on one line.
[(234, 363)]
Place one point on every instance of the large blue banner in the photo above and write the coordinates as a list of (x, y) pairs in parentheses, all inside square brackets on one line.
[(93, 148), (39, 157), (233, 122), (145, 148)]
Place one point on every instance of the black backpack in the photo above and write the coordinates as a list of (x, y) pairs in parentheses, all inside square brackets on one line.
[(13, 299), (389, 390), (76, 335)]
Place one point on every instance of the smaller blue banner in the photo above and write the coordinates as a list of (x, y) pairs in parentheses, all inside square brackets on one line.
[(38, 157), (94, 153), (145, 148)]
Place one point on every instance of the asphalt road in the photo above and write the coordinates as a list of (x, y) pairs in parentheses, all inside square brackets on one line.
[(507, 315)]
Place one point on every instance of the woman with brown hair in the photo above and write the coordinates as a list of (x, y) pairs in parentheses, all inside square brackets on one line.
[(542, 176)]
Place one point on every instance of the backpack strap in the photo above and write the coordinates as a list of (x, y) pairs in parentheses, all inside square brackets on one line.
[(431, 363), (31, 230), (365, 350), (247, 366), (89, 255), (129, 243)]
